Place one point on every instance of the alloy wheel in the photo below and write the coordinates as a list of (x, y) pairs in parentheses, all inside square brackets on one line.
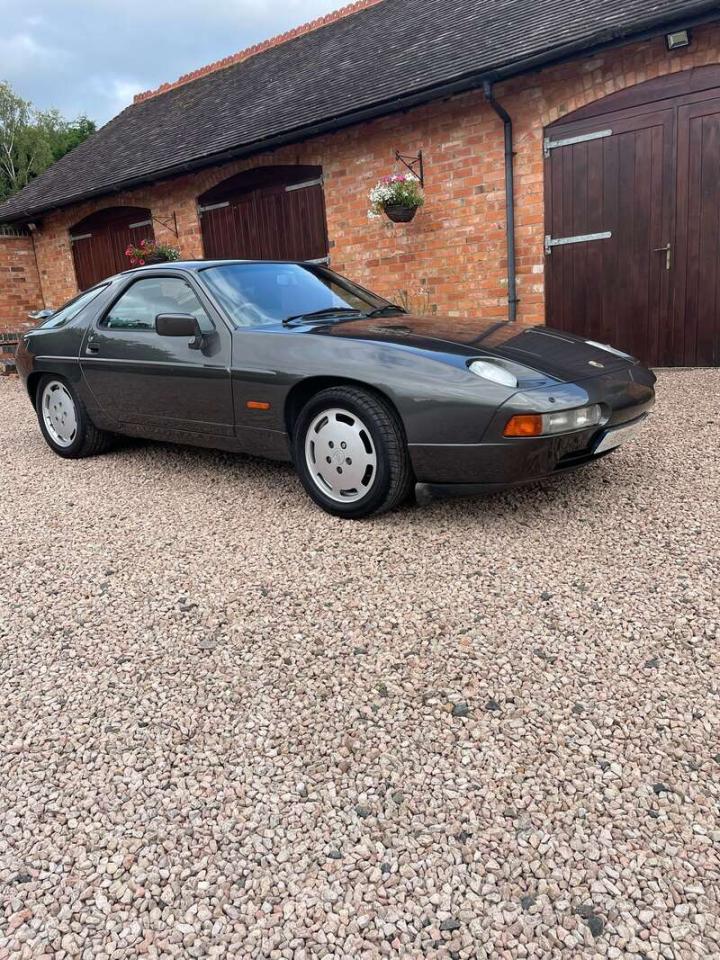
[(59, 413), (340, 455)]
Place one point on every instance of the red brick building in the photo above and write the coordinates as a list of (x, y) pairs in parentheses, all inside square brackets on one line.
[(613, 111)]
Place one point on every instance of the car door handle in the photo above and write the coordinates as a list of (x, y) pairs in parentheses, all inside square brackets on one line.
[(93, 348)]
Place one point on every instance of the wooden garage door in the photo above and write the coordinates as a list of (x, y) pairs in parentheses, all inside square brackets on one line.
[(633, 222), (696, 332), (99, 242), (272, 213)]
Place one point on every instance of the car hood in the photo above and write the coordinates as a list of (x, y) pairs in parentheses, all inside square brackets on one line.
[(557, 354)]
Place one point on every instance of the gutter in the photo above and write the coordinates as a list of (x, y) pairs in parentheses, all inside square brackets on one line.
[(609, 39), (509, 199)]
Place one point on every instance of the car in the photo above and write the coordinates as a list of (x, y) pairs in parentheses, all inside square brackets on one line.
[(290, 361)]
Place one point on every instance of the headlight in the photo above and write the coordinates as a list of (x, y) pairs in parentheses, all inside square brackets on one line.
[(548, 424), (609, 349), (489, 370)]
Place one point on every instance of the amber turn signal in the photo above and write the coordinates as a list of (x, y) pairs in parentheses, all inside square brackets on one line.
[(524, 425), (257, 405)]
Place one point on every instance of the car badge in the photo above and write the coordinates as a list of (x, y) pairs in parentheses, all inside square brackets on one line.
[(596, 363)]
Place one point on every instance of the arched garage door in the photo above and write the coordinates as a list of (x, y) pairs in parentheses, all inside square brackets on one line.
[(99, 241), (633, 220), (270, 213)]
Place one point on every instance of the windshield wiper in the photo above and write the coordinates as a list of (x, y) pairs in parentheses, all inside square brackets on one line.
[(388, 308), (319, 314)]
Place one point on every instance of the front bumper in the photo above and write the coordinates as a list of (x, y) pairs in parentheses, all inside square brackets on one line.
[(499, 462)]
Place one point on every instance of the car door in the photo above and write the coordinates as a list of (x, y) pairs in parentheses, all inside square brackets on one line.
[(160, 384)]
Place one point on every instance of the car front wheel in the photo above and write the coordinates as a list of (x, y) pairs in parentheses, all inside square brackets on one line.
[(65, 422), (351, 454)]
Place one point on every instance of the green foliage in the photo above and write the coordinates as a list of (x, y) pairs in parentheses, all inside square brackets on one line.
[(70, 135), (31, 139)]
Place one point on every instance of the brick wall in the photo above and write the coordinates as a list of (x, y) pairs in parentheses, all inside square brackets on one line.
[(452, 258), (19, 283)]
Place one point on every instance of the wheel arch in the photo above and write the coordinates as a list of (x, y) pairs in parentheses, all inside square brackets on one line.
[(306, 389), (32, 383)]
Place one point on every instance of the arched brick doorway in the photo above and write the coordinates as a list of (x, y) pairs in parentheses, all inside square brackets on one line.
[(99, 241), (269, 213), (632, 185)]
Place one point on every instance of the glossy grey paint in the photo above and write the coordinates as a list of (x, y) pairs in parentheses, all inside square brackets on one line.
[(139, 383)]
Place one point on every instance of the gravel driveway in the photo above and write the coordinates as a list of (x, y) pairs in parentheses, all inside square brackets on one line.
[(233, 726)]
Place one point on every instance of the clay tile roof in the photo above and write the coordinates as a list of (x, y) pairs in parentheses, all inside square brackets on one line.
[(370, 57)]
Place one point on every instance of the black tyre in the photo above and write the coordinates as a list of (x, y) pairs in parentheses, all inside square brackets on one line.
[(64, 421), (350, 452)]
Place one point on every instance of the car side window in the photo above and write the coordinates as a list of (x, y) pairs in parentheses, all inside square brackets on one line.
[(137, 308), (68, 312)]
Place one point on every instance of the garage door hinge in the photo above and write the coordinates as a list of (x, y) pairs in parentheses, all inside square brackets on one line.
[(213, 206), (551, 242), (549, 144), (302, 186)]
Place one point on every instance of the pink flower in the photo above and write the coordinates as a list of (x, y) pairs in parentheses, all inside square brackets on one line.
[(129, 252), (141, 263), (143, 243)]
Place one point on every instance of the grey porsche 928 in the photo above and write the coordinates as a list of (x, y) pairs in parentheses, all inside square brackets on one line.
[(291, 361)]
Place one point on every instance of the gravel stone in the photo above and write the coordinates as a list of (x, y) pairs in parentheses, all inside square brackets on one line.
[(205, 681)]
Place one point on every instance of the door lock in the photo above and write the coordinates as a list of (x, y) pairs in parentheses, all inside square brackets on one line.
[(667, 250)]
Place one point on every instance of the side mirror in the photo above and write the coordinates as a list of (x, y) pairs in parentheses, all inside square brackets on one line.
[(177, 325)]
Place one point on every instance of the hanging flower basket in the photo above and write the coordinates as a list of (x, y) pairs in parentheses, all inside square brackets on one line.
[(398, 196), (148, 252)]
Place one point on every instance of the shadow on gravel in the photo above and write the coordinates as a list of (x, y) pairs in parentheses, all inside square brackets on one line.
[(585, 489)]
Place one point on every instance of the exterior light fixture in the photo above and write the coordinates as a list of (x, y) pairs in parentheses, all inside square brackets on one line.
[(677, 40)]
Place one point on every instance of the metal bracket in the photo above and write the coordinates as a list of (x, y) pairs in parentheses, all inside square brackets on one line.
[(172, 227), (413, 164), (549, 144), (551, 242)]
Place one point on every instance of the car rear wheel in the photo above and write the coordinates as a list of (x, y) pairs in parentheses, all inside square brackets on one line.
[(351, 454), (65, 422)]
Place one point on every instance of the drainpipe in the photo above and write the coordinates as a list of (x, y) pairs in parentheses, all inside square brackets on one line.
[(37, 269), (509, 198)]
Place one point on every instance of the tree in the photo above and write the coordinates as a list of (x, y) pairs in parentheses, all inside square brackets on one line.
[(31, 139), (70, 135)]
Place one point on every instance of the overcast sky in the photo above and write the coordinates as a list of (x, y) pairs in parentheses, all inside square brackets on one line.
[(91, 56)]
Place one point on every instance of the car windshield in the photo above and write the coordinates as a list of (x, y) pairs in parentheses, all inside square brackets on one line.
[(256, 294)]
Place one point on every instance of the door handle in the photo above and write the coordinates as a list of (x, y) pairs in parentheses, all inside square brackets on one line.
[(667, 250), (93, 348)]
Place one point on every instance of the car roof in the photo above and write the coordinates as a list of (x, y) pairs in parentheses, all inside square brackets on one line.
[(197, 265)]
